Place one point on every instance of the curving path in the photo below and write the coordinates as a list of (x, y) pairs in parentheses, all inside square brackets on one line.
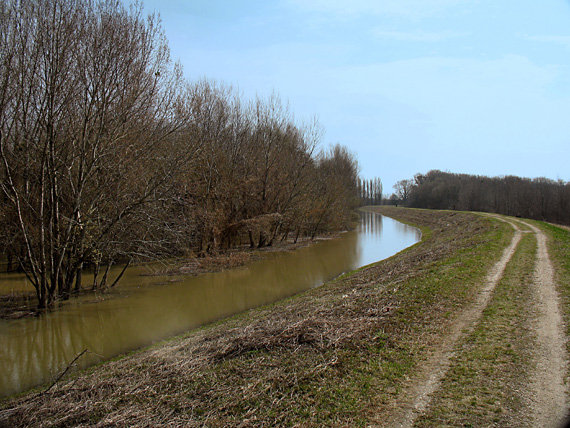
[(547, 392)]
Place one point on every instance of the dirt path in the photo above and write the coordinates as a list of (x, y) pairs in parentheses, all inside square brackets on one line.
[(547, 393), (428, 379)]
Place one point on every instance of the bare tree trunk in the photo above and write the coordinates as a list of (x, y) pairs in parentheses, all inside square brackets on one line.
[(262, 239), (43, 293), (285, 234), (10, 265), (103, 284), (69, 276), (78, 278), (121, 274), (297, 235), (274, 234), (96, 268), (251, 243)]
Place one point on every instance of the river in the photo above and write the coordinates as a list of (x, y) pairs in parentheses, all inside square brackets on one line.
[(145, 308)]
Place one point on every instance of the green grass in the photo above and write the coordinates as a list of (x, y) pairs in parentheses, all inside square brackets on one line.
[(484, 383), (427, 303)]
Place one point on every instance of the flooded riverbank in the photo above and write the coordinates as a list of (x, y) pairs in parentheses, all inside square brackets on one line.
[(143, 309)]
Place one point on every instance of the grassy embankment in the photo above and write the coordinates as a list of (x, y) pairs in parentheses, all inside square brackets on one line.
[(338, 355)]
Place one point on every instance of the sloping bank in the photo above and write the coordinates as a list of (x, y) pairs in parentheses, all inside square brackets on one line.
[(333, 356)]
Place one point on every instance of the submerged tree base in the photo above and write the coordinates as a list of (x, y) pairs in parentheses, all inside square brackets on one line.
[(17, 305), (236, 257)]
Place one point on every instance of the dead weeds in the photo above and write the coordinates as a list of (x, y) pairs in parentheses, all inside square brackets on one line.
[(322, 358)]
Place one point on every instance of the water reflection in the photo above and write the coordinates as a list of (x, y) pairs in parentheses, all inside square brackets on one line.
[(381, 237), (145, 309)]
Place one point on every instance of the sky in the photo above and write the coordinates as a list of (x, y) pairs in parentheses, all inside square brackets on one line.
[(467, 86)]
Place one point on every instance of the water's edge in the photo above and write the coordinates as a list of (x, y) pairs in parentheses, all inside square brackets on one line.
[(147, 309)]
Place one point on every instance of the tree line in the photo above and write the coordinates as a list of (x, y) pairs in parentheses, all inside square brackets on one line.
[(370, 191), (539, 198), (108, 154)]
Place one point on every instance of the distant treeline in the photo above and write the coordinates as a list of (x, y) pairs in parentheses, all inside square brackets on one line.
[(538, 198), (107, 153), (370, 191)]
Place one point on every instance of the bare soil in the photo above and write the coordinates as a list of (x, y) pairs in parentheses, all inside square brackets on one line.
[(548, 393), (539, 382)]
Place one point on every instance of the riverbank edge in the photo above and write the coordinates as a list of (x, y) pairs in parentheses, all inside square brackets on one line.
[(23, 304), (341, 350)]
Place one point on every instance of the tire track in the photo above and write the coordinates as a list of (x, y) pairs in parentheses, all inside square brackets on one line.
[(548, 394), (427, 381)]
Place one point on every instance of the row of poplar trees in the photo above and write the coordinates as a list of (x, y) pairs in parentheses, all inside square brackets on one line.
[(370, 191), (107, 153)]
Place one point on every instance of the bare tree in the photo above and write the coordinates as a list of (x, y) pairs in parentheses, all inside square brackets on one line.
[(106, 153), (403, 189), (84, 131)]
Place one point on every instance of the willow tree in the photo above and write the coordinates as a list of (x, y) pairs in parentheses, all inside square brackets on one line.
[(89, 106), (336, 191)]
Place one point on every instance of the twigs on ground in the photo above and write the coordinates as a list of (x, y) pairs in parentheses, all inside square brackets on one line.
[(77, 357)]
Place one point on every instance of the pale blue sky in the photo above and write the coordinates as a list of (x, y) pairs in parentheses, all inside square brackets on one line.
[(469, 86)]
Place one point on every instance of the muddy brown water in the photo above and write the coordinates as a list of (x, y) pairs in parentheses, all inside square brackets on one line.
[(143, 309)]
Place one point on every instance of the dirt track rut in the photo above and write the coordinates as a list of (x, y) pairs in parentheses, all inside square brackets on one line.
[(547, 392)]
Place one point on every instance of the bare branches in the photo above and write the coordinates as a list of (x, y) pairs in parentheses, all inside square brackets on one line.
[(107, 153), (93, 102), (539, 198), (64, 372)]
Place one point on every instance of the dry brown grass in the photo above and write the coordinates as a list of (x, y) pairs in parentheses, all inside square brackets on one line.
[(328, 357)]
